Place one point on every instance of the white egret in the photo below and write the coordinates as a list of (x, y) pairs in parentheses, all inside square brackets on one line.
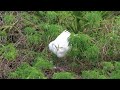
[(60, 45)]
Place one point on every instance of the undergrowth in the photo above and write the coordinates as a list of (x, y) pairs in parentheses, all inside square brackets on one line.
[(94, 42)]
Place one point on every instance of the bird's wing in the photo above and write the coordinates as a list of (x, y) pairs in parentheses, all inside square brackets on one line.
[(63, 36), (50, 46)]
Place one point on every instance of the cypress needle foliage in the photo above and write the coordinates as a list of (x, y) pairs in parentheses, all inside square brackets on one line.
[(33, 36), (9, 52), (94, 44), (83, 47), (63, 75), (25, 71), (43, 63), (92, 53), (92, 74), (108, 66), (9, 19)]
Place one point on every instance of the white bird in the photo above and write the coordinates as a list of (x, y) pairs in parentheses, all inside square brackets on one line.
[(60, 45)]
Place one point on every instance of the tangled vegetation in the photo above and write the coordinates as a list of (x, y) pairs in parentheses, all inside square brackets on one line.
[(95, 42)]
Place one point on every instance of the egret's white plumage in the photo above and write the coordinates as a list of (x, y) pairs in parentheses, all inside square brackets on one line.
[(60, 45)]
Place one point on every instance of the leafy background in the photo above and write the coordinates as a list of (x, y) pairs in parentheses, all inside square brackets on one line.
[(25, 35)]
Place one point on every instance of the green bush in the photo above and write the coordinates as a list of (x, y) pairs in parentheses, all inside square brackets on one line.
[(93, 74), (43, 64), (83, 47), (25, 71), (34, 39), (92, 53), (29, 30), (36, 74), (33, 36), (51, 17), (3, 37), (9, 52), (63, 75), (108, 66), (109, 70), (9, 18), (110, 42), (93, 19), (29, 19), (51, 31), (117, 65), (115, 74), (95, 37)]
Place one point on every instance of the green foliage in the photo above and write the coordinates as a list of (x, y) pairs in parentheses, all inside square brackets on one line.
[(111, 43), (93, 74), (95, 37), (93, 19), (43, 63), (29, 30), (50, 28), (79, 43), (35, 74), (29, 19), (25, 71), (3, 37), (109, 70), (3, 33), (34, 39), (83, 47), (67, 20), (51, 16), (21, 72), (51, 31), (117, 65), (9, 52), (92, 53), (63, 75), (33, 36), (9, 19), (108, 66), (117, 21), (115, 74)]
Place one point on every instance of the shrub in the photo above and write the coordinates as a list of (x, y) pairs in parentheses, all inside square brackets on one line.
[(9, 52), (117, 65), (9, 18), (33, 36), (36, 74), (107, 66), (29, 30), (51, 31), (51, 17), (92, 53), (63, 75), (43, 64), (83, 47), (3, 36), (25, 71), (93, 74), (115, 74), (93, 19), (29, 19)]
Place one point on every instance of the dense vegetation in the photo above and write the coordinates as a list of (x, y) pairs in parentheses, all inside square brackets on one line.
[(95, 41)]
